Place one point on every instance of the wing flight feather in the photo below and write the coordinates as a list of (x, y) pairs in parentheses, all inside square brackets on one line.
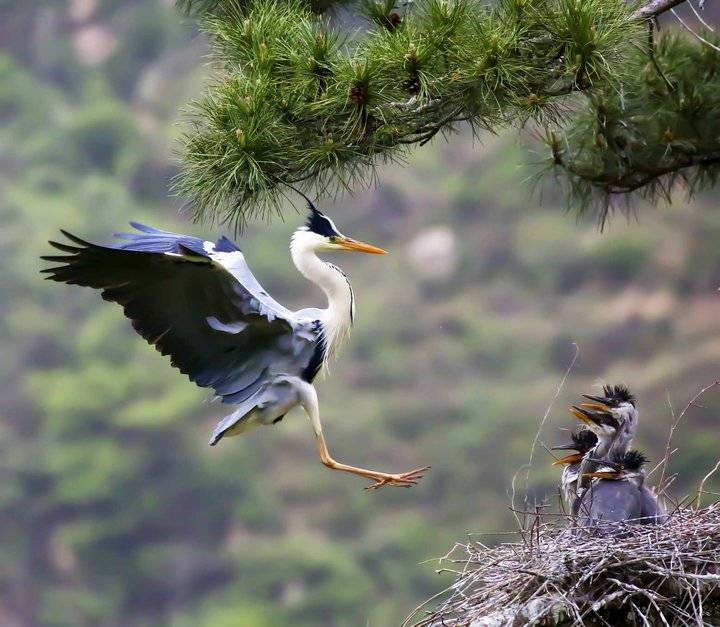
[(197, 302)]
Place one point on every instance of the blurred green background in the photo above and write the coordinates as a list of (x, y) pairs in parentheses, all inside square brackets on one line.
[(113, 509)]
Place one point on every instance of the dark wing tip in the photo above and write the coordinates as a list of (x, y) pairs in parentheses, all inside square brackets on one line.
[(57, 258), (66, 248)]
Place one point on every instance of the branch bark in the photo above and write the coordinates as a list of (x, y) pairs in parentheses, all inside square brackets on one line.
[(655, 8)]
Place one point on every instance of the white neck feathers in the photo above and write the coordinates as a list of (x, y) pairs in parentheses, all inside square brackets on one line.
[(333, 282)]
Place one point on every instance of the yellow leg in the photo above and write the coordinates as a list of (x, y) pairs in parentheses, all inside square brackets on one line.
[(309, 401), (381, 479)]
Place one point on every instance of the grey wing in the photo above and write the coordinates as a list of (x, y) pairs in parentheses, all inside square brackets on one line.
[(216, 323), (608, 500)]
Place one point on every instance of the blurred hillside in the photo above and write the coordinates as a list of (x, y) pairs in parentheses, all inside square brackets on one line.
[(113, 510)]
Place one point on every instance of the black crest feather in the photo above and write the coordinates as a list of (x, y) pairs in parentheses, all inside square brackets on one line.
[(584, 440), (617, 394), (318, 223), (634, 460)]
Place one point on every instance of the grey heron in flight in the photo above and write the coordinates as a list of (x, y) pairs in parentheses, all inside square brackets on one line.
[(617, 492), (198, 302)]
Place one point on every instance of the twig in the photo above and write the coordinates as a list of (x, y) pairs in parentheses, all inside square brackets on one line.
[(697, 36), (655, 8), (702, 483), (674, 424), (667, 574), (559, 388), (700, 18)]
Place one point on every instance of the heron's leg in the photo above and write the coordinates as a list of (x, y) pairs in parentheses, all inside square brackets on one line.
[(405, 479)]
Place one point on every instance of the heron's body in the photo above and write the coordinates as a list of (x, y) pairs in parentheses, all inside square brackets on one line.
[(611, 501), (617, 493), (198, 302)]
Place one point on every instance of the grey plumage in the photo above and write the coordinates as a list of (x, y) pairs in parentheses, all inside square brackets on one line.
[(199, 303), (609, 500), (620, 500), (620, 493)]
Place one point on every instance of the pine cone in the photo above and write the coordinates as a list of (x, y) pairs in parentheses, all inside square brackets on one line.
[(358, 94), (412, 84), (394, 20)]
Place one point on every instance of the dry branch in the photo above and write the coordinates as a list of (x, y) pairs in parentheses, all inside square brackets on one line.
[(615, 574)]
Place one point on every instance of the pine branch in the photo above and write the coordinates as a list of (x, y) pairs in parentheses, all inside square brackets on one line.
[(662, 129), (200, 8), (291, 101), (655, 8)]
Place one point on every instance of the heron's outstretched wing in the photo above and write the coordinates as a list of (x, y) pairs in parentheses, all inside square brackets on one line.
[(199, 303)]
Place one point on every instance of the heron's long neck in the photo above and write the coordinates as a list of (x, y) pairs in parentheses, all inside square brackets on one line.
[(332, 281)]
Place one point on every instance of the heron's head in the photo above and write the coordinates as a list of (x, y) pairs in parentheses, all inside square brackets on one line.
[(598, 418), (621, 466), (620, 403), (583, 441), (319, 234)]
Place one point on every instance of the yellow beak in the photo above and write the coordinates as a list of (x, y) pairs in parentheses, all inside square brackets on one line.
[(603, 475), (582, 417), (360, 247), (594, 406), (568, 459)]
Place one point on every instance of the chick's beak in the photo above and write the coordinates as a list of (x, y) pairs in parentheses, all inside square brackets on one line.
[(346, 243), (600, 400), (564, 447), (604, 474), (583, 416), (568, 459), (594, 406)]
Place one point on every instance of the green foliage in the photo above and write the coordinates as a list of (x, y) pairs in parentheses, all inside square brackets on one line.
[(660, 129), (224, 7), (113, 509), (288, 103)]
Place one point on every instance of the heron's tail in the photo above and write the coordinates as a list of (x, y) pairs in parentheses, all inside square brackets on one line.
[(236, 423)]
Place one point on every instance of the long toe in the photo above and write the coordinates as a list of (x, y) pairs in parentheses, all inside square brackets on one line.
[(402, 480)]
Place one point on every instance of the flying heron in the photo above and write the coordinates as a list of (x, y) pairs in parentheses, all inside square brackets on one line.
[(583, 441), (198, 302), (617, 492)]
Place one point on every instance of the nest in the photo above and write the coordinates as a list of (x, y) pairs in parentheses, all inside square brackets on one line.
[(612, 574)]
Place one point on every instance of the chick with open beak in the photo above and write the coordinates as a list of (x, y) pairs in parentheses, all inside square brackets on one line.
[(583, 441)]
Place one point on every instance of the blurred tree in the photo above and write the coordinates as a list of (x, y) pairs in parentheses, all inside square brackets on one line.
[(294, 100), (114, 512)]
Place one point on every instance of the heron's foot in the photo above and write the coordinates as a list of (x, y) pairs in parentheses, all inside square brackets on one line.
[(402, 480)]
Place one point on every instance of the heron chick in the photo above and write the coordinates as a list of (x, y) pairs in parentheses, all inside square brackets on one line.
[(198, 302), (583, 441), (617, 492)]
